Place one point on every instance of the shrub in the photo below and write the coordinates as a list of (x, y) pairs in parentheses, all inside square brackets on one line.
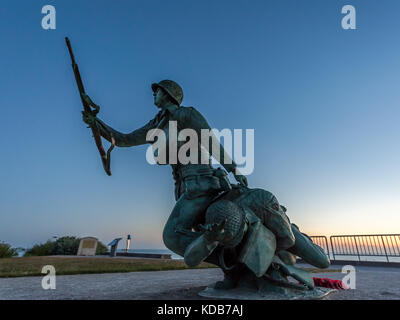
[(6, 251), (66, 246), (62, 246), (101, 248), (44, 249)]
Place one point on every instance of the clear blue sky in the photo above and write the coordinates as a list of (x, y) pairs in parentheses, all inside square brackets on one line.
[(324, 103)]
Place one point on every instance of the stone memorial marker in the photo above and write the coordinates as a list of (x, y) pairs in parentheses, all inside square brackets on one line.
[(87, 246)]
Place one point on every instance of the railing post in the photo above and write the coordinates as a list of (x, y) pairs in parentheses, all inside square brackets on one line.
[(327, 247), (384, 248), (333, 251), (358, 253)]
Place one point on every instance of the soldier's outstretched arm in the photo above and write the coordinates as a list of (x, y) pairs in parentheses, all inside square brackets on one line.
[(135, 138)]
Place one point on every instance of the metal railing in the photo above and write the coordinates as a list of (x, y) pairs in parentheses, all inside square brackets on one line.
[(371, 245)]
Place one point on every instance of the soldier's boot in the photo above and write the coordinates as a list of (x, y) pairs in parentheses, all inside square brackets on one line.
[(307, 250), (231, 279), (226, 284)]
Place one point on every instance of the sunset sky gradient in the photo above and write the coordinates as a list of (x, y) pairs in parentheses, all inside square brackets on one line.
[(323, 101)]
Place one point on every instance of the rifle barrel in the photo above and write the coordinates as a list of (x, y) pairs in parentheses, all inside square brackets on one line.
[(77, 74), (70, 50)]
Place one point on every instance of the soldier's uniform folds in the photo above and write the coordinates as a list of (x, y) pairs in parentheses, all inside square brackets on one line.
[(195, 184)]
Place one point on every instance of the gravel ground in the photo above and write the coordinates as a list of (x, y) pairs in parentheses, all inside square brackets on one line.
[(371, 283)]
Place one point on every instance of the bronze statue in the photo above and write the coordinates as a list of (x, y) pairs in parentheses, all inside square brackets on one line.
[(244, 231)]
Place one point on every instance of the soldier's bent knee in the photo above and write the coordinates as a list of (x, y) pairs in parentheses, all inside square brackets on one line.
[(169, 237)]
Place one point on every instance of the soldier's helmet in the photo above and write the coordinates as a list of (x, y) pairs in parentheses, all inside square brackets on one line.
[(235, 221), (173, 89)]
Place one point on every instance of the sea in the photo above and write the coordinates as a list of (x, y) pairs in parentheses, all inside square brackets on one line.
[(351, 258), (156, 251)]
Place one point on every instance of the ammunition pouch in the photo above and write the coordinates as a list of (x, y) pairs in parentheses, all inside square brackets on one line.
[(199, 180)]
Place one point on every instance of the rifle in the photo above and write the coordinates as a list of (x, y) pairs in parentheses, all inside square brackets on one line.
[(105, 157)]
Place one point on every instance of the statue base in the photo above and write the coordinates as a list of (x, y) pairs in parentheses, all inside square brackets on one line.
[(267, 290)]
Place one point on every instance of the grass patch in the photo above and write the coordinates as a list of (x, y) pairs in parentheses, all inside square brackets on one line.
[(32, 266)]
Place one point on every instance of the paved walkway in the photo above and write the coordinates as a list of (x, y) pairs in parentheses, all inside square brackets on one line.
[(371, 283)]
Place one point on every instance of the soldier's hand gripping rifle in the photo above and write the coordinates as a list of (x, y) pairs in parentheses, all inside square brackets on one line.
[(87, 104)]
